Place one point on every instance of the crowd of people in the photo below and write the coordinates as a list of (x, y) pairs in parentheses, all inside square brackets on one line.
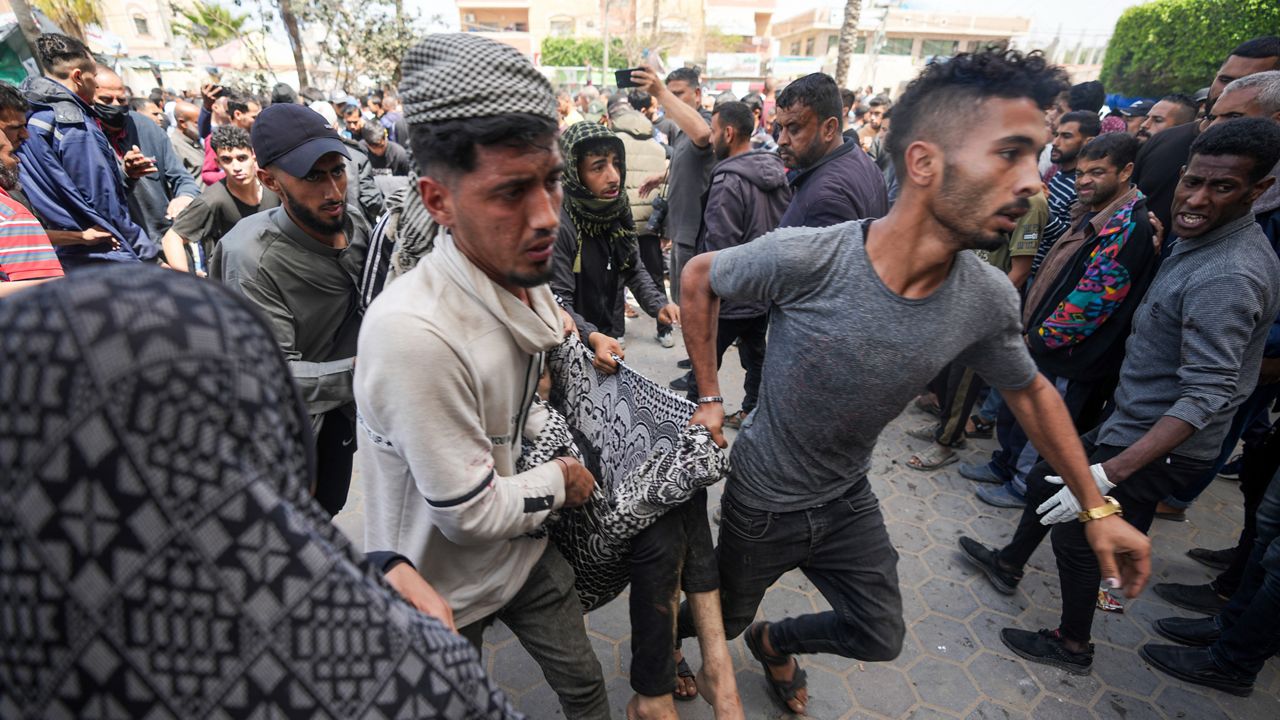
[(1096, 288)]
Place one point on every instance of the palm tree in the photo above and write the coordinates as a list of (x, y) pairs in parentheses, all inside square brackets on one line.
[(290, 20), (848, 35), (72, 15), (27, 23), (208, 25)]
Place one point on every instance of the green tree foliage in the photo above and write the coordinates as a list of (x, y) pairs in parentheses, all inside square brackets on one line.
[(365, 41), (72, 15), (207, 24), (1177, 45), (574, 52)]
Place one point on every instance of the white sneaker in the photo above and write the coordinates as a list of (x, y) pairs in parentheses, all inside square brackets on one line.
[(666, 340)]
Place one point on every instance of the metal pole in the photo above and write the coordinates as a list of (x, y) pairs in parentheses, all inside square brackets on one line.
[(604, 27)]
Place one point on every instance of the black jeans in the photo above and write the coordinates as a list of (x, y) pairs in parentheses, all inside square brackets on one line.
[(335, 448), (674, 553), (842, 547), (1250, 623), (1078, 574), (1260, 463), (1016, 456), (651, 258), (751, 333)]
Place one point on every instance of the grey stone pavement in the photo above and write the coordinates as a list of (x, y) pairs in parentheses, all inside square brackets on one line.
[(953, 664)]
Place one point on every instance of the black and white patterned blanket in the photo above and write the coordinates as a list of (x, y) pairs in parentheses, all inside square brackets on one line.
[(633, 435)]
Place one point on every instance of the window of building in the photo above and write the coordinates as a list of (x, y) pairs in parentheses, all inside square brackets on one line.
[(562, 27), (808, 46), (140, 25), (860, 45), (940, 48), (795, 48), (833, 42), (896, 46)]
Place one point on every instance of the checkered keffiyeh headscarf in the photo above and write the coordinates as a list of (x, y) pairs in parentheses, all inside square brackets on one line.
[(453, 76)]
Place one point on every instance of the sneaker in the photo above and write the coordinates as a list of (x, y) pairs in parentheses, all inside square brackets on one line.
[(1196, 598), (980, 472), (1195, 632), (681, 383), (1231, 471), (1003, 496), (685, 364), (666, 340), (984, 558), (1194, 665), (1216, 559), (1047, 648)]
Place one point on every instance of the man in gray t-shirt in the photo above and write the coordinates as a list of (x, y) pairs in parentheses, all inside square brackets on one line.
[(862, 315), (691, 161)]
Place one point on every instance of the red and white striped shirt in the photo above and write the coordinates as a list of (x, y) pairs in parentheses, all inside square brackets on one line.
[(25, 251)]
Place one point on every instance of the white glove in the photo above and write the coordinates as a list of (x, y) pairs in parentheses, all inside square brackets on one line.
[(1064, 506)]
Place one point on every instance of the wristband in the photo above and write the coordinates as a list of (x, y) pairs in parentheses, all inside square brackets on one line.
[(710, 399)]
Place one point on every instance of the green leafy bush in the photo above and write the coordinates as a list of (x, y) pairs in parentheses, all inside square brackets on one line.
[(574, 52), (1177, 45)]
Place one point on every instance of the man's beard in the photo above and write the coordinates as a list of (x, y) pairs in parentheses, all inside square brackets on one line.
[(721, 149), (8, 177), (954, 210), (531, 280), (304, 216), (1063, 156)]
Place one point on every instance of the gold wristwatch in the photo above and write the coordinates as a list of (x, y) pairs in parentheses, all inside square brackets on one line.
[(1110, 507)]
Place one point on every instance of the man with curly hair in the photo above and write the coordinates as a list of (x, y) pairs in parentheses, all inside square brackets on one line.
[(871, 310)]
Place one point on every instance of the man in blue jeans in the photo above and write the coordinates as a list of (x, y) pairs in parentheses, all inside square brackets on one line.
[(1228, 651), (863, 314)]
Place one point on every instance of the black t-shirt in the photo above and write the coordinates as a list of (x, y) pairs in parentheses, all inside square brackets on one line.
[(215, 212), (395, 161)]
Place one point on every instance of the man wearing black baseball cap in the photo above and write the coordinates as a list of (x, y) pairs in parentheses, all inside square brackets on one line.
[(1134, 114), (300, 264)]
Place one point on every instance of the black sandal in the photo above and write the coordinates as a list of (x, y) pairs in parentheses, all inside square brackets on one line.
[(684, 671), (783, 690)]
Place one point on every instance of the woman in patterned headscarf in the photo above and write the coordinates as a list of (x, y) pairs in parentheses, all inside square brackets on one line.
[(596, 251), (160, 554)]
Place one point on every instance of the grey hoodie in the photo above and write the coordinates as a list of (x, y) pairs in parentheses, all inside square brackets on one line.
[(746, 198)]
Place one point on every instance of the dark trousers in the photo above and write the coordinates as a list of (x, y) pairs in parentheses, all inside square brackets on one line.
[(750, 334), (651, 258), (1015, 457), (546, 617), (1078, 575), (674, 553), (335, 448), (1251, 621), (1256, 406), (958, 389), (1260, 463), (842, 547), (680, 254)]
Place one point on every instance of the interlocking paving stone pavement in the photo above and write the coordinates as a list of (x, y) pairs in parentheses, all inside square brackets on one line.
[(953, 664)]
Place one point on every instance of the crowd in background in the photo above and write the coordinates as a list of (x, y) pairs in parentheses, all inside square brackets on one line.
[(1139, 267)]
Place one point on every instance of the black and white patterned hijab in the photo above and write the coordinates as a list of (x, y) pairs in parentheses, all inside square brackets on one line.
[(160, 555)]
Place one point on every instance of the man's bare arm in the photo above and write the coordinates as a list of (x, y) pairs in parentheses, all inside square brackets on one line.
[(699, 311)]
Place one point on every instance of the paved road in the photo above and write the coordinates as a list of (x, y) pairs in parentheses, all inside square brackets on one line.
[(953, 664)]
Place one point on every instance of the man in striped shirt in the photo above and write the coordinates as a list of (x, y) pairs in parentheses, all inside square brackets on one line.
[(26, 256), (1074, 130)]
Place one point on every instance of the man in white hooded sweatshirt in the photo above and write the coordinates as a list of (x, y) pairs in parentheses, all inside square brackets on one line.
[(450, 356)]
